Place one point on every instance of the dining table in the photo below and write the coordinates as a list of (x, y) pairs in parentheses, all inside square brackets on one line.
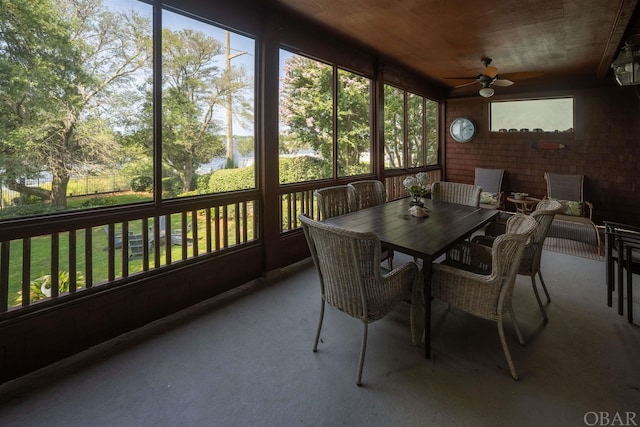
[(426, 238)]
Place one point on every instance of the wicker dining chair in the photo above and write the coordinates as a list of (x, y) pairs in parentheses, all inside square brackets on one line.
[(348, 265), (455, 192), (545, 212), (369, 193), (488, 296), (336, 200)]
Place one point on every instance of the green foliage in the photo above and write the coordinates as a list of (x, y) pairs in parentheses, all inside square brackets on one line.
[(171, 186), (303, 168), (306, 106), (202, 183), (232, 179), (394, 129), (62, 65), (27, 210), (230, 164), (194, 88), (142, 183), (354, 127), (246, 145), (307, 111), (39, 286), (98, 201)]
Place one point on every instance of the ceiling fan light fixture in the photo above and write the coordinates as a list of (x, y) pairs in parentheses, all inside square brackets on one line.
[(486, 92), (626, 66)]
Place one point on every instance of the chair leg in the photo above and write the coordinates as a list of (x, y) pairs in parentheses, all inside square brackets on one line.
[(363, 349), (535, 291), (412, 323), (315, 344), (512, 368), (515, 325), (544, 287)]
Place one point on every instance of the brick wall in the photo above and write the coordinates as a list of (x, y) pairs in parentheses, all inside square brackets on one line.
[(605, 148)]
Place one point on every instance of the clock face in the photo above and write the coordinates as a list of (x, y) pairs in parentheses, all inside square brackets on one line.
[(463, 129)]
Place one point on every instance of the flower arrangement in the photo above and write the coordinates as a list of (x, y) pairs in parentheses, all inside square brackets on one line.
[(417, 186)]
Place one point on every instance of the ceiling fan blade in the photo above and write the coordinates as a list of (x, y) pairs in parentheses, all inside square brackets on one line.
[(502, 82), (461, 78), (466, 84), (521, 75)]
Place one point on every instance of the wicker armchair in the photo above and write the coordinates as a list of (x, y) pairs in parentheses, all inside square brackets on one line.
[(348, 265), (455, 192), (336, 200), (368, 193), (475, 256), (490, 180), (544, 214), (487, 296)]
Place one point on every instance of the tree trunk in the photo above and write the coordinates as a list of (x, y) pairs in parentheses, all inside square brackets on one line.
[(188, 176), (31, 191), (59, 188)]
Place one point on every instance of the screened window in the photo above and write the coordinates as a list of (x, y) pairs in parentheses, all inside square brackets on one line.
[(410, 129), (72, 116), (394, 126), (76, 117), (325, 120), (207, 108)]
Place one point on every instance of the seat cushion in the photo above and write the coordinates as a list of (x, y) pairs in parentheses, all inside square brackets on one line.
[(573, 208), (487, 198)]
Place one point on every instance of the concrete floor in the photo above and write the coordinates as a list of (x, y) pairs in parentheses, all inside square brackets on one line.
[(246, 360)]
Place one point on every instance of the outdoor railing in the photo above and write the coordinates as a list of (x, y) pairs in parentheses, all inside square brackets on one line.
[(42, 260), (297, 199), (41, 267)]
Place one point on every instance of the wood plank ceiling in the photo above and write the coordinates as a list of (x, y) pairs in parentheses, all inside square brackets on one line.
[(538, 44)]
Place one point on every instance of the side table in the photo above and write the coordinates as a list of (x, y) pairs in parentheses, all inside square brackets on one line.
[(525, 205)]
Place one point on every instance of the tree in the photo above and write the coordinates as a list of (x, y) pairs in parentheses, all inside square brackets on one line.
[(354, 123), (194, 87), (306, 108), (65, 59), (307, 112), (393, 127)]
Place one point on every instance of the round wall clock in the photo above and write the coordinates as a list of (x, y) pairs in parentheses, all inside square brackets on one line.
[(463, 129)]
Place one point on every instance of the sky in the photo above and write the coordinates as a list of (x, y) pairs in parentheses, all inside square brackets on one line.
[(245, 46)]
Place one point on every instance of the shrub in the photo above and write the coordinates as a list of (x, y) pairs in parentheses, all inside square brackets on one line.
[(171, 186), (303, 168), (27, 210), (39, 286), (232, 179), (99, 201), (142, 183), (202, 183)]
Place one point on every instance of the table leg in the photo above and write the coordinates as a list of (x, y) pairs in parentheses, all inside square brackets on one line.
[(629, 261), (426, 274), (609, 270), (620, 277)]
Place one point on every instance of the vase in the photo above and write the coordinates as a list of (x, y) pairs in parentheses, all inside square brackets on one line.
[(415, 201)]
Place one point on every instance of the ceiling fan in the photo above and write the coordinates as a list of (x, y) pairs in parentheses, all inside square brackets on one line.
[(487, 78)]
